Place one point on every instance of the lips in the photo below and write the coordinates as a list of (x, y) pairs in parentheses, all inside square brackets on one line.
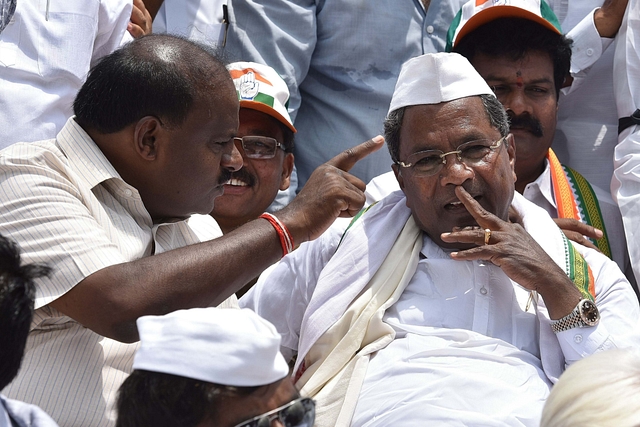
[(456, 205)]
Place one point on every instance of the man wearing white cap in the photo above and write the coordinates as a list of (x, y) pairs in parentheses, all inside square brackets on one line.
[(210, 367), (265, 140), (526, 72), (455, 300)]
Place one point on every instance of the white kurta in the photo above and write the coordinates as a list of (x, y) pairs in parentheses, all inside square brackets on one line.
[(453, 316), (626, 182), (45, 54)]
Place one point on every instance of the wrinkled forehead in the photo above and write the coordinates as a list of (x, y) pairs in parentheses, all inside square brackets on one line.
[(446, 125)]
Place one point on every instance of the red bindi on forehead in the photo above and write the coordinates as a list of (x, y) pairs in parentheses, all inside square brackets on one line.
[(519, 81)]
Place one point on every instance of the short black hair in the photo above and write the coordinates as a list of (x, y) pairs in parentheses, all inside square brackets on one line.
[(287, 138), (154, 399), (155, 75), (393, 123), (514, 38), (17, 293)]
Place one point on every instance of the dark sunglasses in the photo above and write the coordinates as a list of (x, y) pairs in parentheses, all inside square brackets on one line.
[(297, 413)]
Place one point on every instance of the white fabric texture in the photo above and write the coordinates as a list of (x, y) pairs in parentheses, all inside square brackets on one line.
[(626, 182), (45, 54), (195, 19), (311, 310), (66, 206), (231, 347), (20, 414)]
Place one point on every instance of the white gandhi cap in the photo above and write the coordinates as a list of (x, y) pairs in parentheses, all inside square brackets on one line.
[(434, 78), (224, 346)]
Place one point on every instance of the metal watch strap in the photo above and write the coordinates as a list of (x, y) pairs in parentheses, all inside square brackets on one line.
[(569, 321)]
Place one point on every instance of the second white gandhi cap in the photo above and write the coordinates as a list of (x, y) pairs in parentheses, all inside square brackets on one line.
[(434, 78), (234, 347)]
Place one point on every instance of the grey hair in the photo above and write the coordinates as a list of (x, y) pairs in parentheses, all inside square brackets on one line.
[(393, 123)]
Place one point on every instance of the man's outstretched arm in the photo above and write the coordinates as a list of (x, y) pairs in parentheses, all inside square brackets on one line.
[(110, 300)]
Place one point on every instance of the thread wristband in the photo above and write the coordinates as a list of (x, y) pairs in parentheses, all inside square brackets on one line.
[(286, 240)]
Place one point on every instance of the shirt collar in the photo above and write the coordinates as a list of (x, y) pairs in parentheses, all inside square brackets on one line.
[(85, 158), (543, 185)]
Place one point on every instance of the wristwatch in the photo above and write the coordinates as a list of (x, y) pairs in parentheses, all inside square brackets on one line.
[(585, 314)]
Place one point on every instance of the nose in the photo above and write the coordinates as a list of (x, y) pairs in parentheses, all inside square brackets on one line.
[(455, 171), (232, 160), (516, 101)]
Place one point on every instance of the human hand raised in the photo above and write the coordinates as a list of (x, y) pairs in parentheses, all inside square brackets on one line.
[(141, 21), (330, 192), (512, 248)]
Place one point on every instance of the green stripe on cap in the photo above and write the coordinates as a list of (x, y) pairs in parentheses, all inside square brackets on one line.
[(264, 99)]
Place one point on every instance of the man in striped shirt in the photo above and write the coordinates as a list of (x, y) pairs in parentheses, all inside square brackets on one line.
[(105, 203)]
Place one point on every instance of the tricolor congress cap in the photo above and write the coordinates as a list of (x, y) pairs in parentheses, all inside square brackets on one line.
[(476, 13), (260, 87)]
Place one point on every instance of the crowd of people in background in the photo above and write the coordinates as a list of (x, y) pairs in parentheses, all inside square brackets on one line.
[(199, 225)]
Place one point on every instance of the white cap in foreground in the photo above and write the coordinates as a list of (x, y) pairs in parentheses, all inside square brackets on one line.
[(224, 346)]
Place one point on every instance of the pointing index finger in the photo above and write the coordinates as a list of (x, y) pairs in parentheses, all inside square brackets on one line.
[(484, 218), (351, 156)]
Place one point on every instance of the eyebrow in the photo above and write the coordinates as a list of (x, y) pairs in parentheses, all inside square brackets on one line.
[(491, 78)]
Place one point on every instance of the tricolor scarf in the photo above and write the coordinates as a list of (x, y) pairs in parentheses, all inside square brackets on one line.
[(576, 199)]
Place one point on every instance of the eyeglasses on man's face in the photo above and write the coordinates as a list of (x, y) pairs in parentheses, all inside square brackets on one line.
[(259, 147), (472, 153), (297, 413)]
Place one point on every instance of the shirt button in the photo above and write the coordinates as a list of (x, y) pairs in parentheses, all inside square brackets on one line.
[(430, 29), (128, 193), (578, 338), (589, 52), (483, 290)]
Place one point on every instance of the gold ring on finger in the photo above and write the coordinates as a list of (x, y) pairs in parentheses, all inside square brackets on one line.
[(487, 236)]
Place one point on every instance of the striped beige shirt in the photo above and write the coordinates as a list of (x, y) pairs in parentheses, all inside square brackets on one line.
[(65, 205)]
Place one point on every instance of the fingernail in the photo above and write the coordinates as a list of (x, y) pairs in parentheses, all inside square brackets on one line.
[(378, 139), (453, 254), (599, 233), (443, 235)]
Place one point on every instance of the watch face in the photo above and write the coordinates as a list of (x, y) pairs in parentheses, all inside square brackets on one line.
[(589, 313)]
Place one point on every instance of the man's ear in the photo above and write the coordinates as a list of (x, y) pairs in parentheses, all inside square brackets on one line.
[(287, 168), (511, 150), (147, 133)]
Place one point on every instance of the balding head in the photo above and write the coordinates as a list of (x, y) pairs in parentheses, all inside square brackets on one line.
[(156, 75)]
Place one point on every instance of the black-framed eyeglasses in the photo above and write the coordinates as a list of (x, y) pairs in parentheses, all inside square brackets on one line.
[(259, 147), (472, 153), (297, 413)]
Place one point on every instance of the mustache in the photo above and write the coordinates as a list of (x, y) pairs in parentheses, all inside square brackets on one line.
[(526, 122), (225, 176), (242, 175)]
